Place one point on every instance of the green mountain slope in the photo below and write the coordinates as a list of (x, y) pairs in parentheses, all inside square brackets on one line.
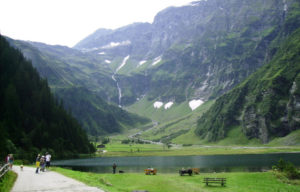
[(97, 116), (197, 51), (267, 104), (82, 82), (31, 119)]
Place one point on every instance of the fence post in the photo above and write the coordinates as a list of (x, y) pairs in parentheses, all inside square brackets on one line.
[(3, 169)]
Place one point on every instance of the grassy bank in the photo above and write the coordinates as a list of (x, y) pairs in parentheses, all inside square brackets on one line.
[(116, 149), (238, 182), (8, 181)]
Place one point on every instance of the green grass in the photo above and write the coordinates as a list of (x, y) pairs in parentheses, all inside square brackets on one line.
[(238, 182), (291, 139), (236, 137), (7, 182), (117, 149), (144, 107), (173, 122)]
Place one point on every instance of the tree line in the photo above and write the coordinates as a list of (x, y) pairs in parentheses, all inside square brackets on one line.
[(32, 120)]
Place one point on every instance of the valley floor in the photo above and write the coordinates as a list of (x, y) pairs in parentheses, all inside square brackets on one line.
[(116, 149), (238, 182)]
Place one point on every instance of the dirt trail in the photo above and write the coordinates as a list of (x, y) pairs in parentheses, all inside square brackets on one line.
[(50, 181)]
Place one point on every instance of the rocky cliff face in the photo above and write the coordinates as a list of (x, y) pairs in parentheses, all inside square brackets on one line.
[(133, 39), (275, 123), (197, 51), (266, 105)]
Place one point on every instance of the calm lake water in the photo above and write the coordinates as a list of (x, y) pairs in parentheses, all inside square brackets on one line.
[(213, 163)]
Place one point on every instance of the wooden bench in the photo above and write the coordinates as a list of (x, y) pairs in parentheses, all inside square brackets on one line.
[(207, 180), (150, 171)]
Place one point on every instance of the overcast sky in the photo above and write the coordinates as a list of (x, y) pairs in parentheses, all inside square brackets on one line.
[(66, 22)]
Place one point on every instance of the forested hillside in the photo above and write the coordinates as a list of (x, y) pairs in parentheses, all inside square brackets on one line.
[(32, 120), (82, 83), (97, 116), (267, 104)]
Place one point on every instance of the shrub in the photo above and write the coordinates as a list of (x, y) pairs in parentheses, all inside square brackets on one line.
[(125, 141), (288, 168), (291, 171)]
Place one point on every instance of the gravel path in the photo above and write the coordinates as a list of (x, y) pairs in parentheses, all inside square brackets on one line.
[(29, 181)]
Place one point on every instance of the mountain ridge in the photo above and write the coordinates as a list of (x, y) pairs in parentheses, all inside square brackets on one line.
[(207, 35)]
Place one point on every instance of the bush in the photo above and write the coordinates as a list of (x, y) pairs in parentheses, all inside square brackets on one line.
[(291, 171), (125, 141), (281, 165), (288, 168)]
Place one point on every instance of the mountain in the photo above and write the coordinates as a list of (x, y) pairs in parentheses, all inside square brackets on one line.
[(32, 120), (133, 38), (81, 82), (198, 51), (188, 55), (267, 104)]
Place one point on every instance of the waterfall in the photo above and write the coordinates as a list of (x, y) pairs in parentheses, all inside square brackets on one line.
[(114, 78), (119, 89)]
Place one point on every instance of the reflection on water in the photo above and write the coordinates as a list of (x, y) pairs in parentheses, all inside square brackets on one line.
[(213, 163)]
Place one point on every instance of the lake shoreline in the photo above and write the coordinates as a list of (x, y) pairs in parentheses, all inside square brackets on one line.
[(171, 164), (122, 150)]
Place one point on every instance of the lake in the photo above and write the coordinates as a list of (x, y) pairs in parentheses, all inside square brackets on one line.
[(171, 164)]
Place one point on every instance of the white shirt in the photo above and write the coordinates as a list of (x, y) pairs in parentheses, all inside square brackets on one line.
[(48, 157)]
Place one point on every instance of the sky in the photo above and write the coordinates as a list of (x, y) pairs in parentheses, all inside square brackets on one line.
[(66, 22)]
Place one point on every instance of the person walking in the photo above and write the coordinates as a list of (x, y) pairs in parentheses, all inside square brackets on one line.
[(48, 159), (114, 168), (37, 163), (11, 161), (7, 158), (42, 163)]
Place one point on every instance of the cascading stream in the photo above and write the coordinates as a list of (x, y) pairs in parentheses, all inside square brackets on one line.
[(119, 89)]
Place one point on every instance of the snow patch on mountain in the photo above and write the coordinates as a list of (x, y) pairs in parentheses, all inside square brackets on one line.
[(156, 60), (157, 104), (194, 104), (102, 53), (116, 44), (107, 61), (168, 105), (85, 50), (123, 63), (142, 62), (194, 3)]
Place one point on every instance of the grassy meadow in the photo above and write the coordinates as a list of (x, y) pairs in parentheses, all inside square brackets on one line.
[(238, 182), (117, 149)]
